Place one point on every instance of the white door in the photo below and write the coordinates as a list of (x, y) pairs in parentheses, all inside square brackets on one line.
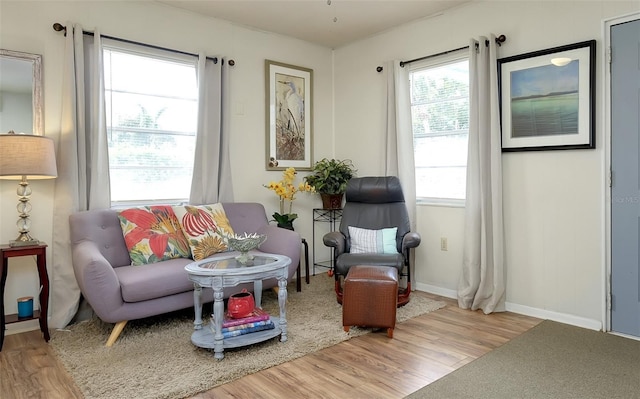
[(625, 166)]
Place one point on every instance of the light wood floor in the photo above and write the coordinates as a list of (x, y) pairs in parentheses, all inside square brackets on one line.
[(422, 350)]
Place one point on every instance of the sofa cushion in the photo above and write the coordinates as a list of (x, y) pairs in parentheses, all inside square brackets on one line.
[(204, 227), (145, 282), (152, 234), (373, 241)]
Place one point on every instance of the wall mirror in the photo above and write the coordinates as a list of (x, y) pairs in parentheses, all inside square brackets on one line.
[(21, 108)]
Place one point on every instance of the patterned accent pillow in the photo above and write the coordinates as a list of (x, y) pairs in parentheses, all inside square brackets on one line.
[(204, 227), (373, 241), (152, 234)]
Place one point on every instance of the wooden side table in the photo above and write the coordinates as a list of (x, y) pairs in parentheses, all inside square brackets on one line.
[(40, 251)]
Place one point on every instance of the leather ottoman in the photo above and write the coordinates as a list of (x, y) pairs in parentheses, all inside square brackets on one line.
[(370, 297)]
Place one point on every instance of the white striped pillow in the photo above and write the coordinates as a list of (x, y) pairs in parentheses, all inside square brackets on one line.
[(373, 241)]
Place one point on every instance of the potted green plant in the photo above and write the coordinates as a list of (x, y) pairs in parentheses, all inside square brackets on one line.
[(329, 178)]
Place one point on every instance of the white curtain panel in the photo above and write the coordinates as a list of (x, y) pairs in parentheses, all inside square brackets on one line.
[(482, 283), (399, 159), (211, 181), (83, 164), (399, 135)]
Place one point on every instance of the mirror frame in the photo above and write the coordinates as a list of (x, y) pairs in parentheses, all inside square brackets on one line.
[(36, 85)]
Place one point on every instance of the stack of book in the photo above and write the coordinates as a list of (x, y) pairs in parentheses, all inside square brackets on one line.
[(258, 320)]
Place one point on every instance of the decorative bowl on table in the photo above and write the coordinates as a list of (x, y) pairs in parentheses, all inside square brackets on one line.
[(244, 244)]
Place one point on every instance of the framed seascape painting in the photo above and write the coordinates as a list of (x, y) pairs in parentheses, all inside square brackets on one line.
[(289, 116), (547, 98)]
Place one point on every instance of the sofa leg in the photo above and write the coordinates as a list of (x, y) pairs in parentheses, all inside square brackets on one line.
[(115, 333)]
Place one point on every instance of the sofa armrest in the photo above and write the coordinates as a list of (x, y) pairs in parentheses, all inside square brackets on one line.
[(283, 242), (336, 240), (97, 280)]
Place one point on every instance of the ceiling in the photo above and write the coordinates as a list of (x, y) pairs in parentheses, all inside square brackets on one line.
[(330, 23)]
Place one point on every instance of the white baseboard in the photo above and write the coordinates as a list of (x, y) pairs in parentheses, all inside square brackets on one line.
[(573, 320), (435, 290), (522, 309), (23, 326)]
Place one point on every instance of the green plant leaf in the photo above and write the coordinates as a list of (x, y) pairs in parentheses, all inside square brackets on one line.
[(284, 219), (330, 176)]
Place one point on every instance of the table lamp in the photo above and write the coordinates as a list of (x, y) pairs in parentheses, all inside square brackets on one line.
[(22, 157)]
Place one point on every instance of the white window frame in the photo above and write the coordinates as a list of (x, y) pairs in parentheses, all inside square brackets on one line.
[(150, 52), (441, 60)]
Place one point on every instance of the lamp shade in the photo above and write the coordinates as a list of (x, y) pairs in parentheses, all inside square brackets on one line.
[(27, 155)]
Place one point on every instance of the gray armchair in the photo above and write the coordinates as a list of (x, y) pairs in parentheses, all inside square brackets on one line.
[(374, 203)]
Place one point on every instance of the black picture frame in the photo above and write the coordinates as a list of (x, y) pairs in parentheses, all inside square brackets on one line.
[(547, 99)]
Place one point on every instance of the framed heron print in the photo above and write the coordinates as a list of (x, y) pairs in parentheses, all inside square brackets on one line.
[(547, 98), (289, 114)]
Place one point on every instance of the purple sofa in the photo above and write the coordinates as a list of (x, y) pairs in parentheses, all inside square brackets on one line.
[(119, 292)]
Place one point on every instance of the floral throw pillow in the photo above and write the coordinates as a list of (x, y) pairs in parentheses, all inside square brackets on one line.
[(204, 227), (152, 234)]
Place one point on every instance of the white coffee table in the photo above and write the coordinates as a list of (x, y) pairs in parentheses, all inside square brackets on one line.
[(224, 271)]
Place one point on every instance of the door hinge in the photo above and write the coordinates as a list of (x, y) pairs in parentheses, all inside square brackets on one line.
[(610, 178), (609, 56)]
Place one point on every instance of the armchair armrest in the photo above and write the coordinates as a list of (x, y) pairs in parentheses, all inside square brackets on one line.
[(410, 240), (336, 240), (97, 280)]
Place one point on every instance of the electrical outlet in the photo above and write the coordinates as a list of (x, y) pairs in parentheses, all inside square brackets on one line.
[(443, 243)]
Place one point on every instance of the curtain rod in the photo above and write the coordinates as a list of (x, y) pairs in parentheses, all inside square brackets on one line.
[(499, 40), (59, 28)]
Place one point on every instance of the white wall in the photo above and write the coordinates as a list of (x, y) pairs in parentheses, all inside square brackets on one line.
[(553, 201), (27, 26)]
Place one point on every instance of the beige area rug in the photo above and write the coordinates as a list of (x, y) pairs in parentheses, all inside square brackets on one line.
[(550, 361), (154, 358)]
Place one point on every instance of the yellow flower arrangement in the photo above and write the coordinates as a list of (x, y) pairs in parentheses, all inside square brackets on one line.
[(286, 191)]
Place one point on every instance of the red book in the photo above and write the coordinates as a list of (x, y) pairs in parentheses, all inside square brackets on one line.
[(257, 315)]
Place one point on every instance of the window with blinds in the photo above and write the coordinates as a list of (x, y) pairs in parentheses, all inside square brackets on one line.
[(151, 109), (440, 119)]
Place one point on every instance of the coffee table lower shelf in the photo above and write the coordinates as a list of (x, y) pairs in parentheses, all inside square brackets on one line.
[(204, 337)]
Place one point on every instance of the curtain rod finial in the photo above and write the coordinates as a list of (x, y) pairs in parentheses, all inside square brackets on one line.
[(60, 28)]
